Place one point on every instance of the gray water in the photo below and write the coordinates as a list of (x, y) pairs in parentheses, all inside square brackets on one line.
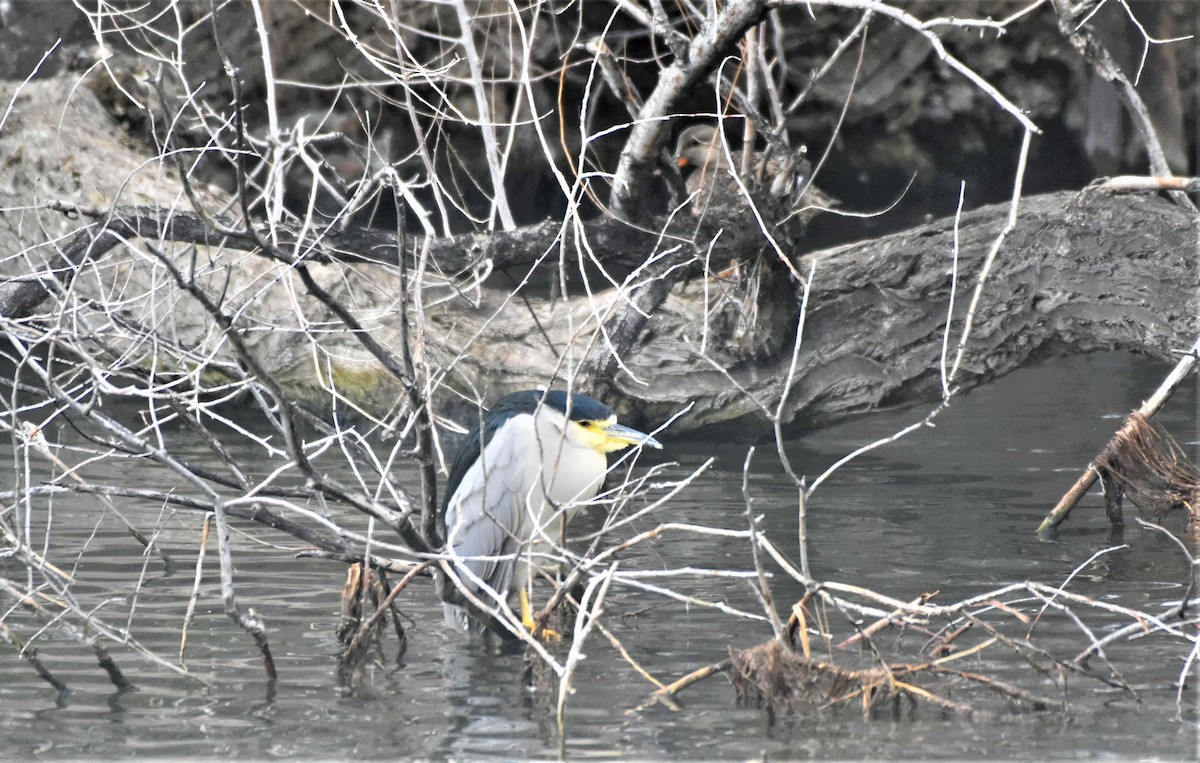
[(951, 508)]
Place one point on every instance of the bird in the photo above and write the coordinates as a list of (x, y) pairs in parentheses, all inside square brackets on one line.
[(535, 456), (785, 175)]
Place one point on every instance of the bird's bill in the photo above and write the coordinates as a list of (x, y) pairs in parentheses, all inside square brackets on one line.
[(618, 436)]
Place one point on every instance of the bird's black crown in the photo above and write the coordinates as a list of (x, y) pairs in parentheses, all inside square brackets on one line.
[(576, 406)]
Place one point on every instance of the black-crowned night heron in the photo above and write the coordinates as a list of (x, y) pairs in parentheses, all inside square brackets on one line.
[(536, 457)]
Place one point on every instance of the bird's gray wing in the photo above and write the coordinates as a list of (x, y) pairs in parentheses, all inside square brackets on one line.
[(484, 518)]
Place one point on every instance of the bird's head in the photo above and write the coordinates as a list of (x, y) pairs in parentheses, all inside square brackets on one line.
[(589, 423), (699, 146)]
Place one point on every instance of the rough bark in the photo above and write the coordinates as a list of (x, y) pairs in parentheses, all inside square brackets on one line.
[(1081, 272)]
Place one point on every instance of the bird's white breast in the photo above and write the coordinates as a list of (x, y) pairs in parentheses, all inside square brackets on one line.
[(535, 460), (570, 473)]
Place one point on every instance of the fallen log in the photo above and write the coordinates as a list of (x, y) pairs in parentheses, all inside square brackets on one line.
[(1080, 272)]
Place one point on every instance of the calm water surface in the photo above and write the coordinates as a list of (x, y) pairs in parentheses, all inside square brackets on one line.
[(950, 508)]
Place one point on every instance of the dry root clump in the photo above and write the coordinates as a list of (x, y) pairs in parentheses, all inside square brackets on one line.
[(1144, 463), (367, 599), (785, 682)]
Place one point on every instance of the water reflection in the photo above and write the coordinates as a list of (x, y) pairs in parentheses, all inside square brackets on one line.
[(481, 694)]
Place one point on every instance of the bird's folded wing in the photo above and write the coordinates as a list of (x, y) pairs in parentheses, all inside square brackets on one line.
[(483, 526)]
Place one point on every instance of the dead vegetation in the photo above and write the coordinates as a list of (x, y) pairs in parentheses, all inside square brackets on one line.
[(1144, 464)]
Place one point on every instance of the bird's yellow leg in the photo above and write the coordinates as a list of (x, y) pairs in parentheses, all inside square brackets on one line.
[(527, 618)]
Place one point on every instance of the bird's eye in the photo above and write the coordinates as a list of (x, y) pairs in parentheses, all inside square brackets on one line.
[(585, 424)]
